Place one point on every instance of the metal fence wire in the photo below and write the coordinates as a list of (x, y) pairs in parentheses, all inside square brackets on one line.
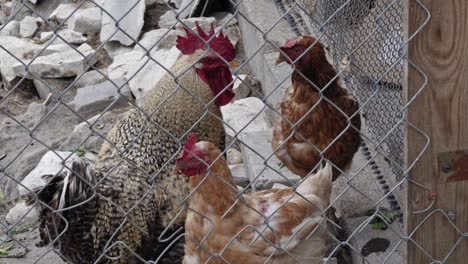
[(98, 102)]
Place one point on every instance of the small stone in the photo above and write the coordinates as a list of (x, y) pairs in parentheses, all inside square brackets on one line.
[(92, 99), (22, 213), (50, 164), (244, 115), (168, 20), (29, 25), (129, 13), (86, 20), (234, 156), (203, 22), (11, 29), (166, 39)]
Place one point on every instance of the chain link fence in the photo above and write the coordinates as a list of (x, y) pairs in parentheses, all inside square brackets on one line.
[(99, 97)]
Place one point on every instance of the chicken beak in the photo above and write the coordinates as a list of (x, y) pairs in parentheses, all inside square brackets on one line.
[(177, 169), (234, 63)]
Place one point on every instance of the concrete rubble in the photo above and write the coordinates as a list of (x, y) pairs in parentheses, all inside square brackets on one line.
[(129, 13)]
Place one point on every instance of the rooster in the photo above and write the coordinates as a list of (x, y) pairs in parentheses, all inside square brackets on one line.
[(274, 226), (319, 116), (117, 212)]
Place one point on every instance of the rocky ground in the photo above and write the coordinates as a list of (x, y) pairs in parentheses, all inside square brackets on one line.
[(83, 73)]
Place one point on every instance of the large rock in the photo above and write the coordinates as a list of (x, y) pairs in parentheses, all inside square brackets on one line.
[(263, 168), (203, 22), (29, 26), (19, 50), (64, 36), (60, 64), (168, 20), (44, 87), (86, 20), (244, 115), (50, 164), (91, 78), (49, 49), (22, 214), (224, 19), (11, 29), (114, 48), (143, 73), (62, 12), (157, 39), (129, 13), (95, 98), (90, 139), (274, 78)]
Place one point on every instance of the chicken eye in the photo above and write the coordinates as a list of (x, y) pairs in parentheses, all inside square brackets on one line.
[(208, 61), (296, 50)]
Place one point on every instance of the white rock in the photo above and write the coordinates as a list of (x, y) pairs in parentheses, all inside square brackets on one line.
[(86, 20), (53, 86), (20, 49), (166, 37), (91, 78), (21, 212), (130, 20), (29, 25), (244, 115), (240, 87), (62, 12), (33, 2), (279, 186), (11, 29), (50, 164), (203, 22), (53, 49), (239, 173), (233, 156), (257, 154), (67, 36), (223, 18), (95, 98), (148, 73), (168, 20), (114, 49), (60, 64)]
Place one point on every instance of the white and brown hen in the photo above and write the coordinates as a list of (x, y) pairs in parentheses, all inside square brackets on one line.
[(224, 226)]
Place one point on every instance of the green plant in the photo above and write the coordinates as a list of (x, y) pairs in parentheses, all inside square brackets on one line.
[(78, 151)]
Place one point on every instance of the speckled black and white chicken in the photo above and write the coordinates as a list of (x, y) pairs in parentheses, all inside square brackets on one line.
[(117, 211)]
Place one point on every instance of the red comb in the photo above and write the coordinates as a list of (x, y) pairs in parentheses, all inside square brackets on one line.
[(188, 146), (220, 44), (290, 43)]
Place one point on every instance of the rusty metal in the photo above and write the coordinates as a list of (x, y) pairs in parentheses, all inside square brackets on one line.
[(452, 166)]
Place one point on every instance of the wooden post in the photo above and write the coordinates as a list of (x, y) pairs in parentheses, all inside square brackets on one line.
[(441, 111)]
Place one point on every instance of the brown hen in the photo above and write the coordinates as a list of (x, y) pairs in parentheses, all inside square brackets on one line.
[(319, 115), (272, 226)]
